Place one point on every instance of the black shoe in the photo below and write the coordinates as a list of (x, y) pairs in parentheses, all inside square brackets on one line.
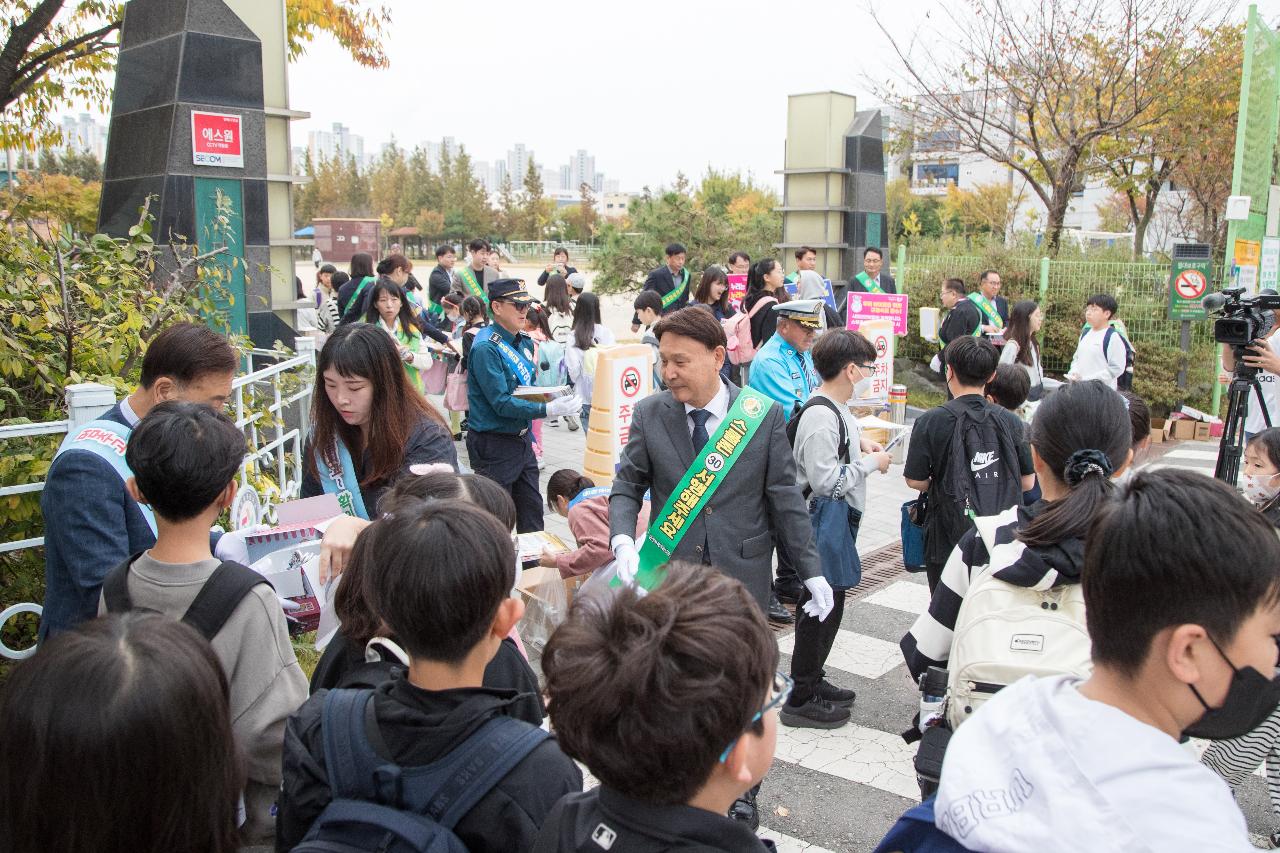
[(817, 713), (744, 809), (788, 593), (457, 436), (838, 696), (778, 613)]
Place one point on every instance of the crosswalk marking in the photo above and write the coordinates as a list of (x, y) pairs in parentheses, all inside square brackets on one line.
[(1191, 453), (854, 753), (906, 596), (853, 652), (787, 844)]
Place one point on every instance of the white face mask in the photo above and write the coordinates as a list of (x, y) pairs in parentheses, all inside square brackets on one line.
[(861, 387), (1259, 488)]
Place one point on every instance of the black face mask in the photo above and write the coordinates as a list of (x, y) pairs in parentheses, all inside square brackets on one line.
[(1251, 698)]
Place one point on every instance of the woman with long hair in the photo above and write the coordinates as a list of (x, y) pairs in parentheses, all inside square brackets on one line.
[(588, 332), (391, 312), (555, 297), (117, 738), (713, 292), (1021, 347), (765, 288), (368, 424), (1081, 442)]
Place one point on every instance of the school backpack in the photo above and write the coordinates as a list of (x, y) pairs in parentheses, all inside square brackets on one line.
[(1124, 382), (982, 475), (550, 367), (737, 330), (1005, 632), (378, 805), (212, 606)]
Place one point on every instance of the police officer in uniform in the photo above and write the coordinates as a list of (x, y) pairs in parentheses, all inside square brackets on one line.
[(499, 443)]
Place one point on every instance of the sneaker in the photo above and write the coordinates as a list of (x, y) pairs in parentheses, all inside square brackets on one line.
[(789, 594), (817, 713), (839, 696), (572, 421), (541, 463), (778, 613)]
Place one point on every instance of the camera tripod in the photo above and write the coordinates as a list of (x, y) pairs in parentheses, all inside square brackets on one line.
[(1231, 448)]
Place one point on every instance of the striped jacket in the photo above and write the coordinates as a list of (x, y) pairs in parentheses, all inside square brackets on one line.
[(928, 643)]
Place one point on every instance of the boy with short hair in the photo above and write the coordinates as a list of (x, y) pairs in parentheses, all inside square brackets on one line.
[(1010, 387), (185, 459), (502, 776), (1098, 354), (671, 702), (648, 307), (1183, 617)]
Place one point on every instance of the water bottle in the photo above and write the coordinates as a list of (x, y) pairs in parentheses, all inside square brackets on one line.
[(933, 693)]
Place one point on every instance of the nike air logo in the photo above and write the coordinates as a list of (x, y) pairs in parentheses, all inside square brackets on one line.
[(983, 460)]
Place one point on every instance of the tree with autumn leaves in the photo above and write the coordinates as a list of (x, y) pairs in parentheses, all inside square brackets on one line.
[(63, 51)]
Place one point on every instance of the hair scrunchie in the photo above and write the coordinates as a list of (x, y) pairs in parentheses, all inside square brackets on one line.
[(1084, 463)]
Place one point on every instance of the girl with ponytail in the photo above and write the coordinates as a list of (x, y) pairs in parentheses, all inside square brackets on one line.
[(586, 506), (1081, 441)]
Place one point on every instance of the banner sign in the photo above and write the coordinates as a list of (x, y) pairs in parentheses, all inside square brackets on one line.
[(216, 140), (866, 307), (737, 290)]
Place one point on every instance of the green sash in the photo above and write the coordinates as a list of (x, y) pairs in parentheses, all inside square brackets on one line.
[(700, 482), (988, 310), (468, 277), (673, 295), (868, 283)]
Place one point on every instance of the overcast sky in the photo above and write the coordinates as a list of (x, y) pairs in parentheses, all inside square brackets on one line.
[(648, 88)]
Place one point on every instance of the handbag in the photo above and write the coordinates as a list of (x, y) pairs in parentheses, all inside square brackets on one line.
[(914, 513), (455, 390), (835, 526), (434, 377)]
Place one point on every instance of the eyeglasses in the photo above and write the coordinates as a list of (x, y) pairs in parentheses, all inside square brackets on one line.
[(782, 686), (867, 368)]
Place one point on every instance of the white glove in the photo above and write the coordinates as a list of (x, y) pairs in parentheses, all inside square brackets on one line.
[(821, 598), (628, 560), (560, 406), (231, 546)]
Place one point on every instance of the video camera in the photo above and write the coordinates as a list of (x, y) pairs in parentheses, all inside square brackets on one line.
[(1243, 319)]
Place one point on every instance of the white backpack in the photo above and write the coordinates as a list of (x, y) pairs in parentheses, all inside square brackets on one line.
[(1004, 632)]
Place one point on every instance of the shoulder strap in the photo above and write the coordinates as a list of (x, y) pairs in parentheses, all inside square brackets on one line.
[(1106, 340), (760, 303), (819, 400), (115, 587), (354, 770), (220, 596), (476, 766)]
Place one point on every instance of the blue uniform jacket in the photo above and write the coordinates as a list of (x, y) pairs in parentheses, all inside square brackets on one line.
[(490, 381), (91, 526), (783, 374)]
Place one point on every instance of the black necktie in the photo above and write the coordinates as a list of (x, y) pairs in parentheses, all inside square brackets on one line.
[(699, 418)]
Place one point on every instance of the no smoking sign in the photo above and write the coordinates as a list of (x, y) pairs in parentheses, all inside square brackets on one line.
[(1190, 284)]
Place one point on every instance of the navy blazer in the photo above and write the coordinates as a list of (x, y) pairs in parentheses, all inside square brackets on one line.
[(91, 526)]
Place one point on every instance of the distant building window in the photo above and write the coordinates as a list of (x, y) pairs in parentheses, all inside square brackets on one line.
[(941, 140), (938, 173)]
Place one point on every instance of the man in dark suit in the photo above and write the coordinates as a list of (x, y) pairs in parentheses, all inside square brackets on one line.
[(441, 280), (991, 304), (670, 281), (757, 502), (873, 279), (94, 525)]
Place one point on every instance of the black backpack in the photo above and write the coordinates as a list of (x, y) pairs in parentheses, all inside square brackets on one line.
[(378, 805), (213, 605), (1124, 382), (982, 475)]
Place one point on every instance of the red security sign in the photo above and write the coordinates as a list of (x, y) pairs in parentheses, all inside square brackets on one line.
[(216, 140), (630, 382), (1190, 284)]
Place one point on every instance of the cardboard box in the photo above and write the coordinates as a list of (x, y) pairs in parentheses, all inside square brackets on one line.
[(1183, 429), (1202, 431), (1197, 415), (1157, 430)]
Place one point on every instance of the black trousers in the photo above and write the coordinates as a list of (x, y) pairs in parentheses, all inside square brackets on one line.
[(813, 644), (788, 577), (509, 461), (933, 571)]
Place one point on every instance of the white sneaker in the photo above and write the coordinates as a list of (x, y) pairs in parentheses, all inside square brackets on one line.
[(552, 422), (542, 463), (573, 422)]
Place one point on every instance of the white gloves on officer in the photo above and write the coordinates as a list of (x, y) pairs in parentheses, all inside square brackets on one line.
[(626, 557), (821, 598), (561, 406)]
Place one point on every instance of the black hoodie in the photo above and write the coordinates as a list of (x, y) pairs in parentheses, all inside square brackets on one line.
[(417, 727)]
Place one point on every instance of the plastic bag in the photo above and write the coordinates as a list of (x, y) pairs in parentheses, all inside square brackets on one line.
[(546, 609), (597, 585)]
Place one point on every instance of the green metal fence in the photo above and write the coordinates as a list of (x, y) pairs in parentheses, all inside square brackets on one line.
[(1061, 288)]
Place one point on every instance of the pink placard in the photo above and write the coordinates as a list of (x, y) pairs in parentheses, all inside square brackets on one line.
[(737, 290), (878, 306)]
